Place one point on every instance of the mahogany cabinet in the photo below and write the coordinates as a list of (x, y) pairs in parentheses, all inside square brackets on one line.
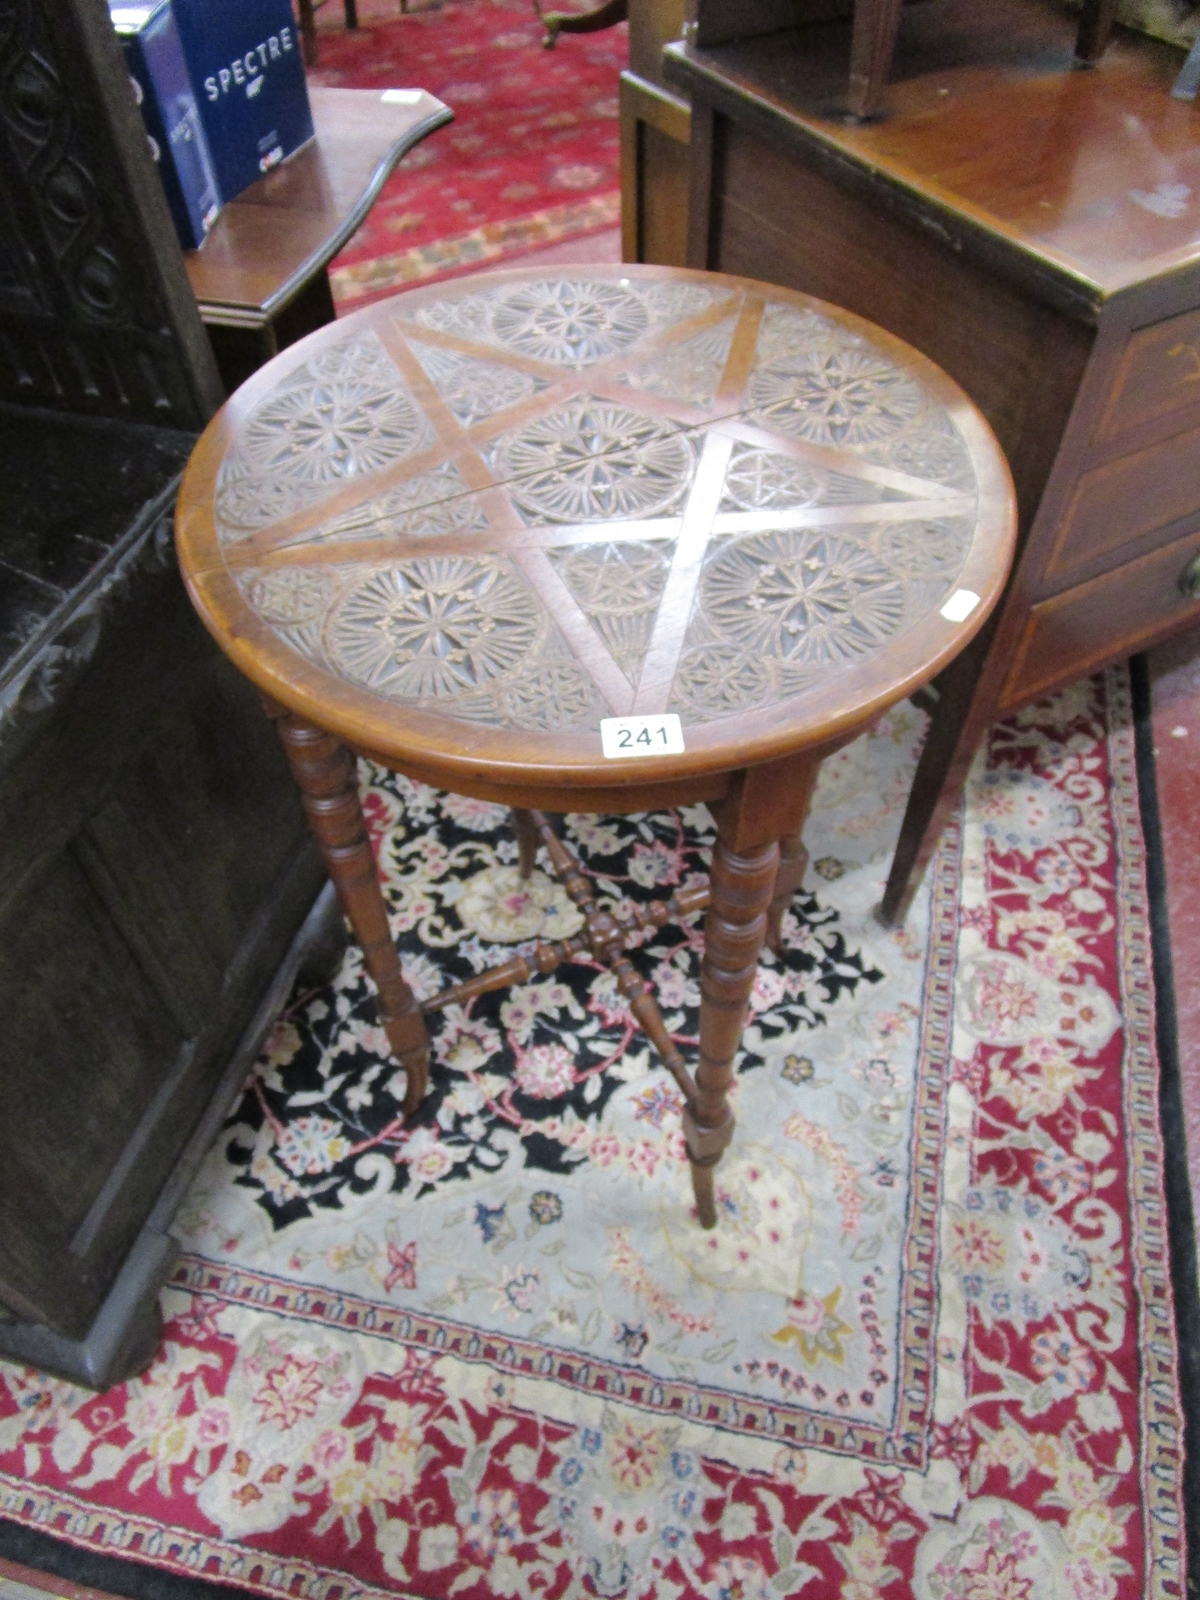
[(1035, 229)]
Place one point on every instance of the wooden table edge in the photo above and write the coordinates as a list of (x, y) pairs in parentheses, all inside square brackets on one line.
[(243, 314)]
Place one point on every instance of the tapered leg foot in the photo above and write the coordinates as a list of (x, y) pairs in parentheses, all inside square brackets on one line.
[(734, 933), (325, 774), (705, 1147)]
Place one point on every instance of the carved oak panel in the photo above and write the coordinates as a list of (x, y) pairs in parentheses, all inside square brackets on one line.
[(96, 314)]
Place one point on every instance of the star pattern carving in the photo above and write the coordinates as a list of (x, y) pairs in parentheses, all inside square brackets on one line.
[(568, 498)]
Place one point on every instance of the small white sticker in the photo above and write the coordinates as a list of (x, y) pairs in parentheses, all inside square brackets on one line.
[(960, 605), (641, 736), (401, 97)]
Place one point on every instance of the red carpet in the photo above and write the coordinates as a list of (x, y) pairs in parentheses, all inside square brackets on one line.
[(531, 158)]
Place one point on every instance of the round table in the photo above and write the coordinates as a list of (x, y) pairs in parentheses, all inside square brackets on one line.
[(499, 534)]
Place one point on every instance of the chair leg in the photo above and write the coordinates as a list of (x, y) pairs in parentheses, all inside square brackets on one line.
[(351, 13), (603, 16), (872, 46), (308, 32), (1095, 29), (326, 775)]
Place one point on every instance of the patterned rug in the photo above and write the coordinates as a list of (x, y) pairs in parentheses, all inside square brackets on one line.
[(927, 1352), (532, 155)]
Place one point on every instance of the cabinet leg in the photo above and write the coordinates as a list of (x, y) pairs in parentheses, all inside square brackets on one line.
[(1095, 29), (964, 711), (325, 774), (734, 932)]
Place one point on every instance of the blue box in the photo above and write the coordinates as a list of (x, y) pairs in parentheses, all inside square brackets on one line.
[(244, 59), (154, 56)]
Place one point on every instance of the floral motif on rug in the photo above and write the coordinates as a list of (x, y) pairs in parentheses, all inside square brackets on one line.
[(928, 1350)]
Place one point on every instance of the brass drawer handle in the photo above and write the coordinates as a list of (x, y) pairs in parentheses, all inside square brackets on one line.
[(1189, 579)]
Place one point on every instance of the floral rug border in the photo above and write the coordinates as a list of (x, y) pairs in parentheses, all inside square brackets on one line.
[(1161, 1458), (494, 241), (178, 1552)]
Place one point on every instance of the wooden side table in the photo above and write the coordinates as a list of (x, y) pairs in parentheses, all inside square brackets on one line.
[(260, 278), (1035, 230), (498, 533)]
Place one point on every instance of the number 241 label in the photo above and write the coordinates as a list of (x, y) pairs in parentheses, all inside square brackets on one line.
[(641, 736)]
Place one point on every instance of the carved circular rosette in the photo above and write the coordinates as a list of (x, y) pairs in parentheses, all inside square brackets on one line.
[(595, 461), (433, 629)]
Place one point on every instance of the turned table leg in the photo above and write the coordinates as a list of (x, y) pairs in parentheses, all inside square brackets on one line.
[(526, 832), (734, 932), (758, 862), (793, 863), (326, 775)]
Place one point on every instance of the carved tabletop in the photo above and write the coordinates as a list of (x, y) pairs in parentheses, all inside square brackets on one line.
[(469, 522), (464, 528)]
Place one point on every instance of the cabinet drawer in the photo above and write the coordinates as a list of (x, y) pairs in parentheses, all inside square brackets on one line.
[(1112, 616), (1159, 373), (1122, 501)]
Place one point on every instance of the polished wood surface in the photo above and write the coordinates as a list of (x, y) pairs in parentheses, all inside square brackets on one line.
[(1033, 228), (578, 443), (460, 530), (873, 45), (276, 235), (989, 130)]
